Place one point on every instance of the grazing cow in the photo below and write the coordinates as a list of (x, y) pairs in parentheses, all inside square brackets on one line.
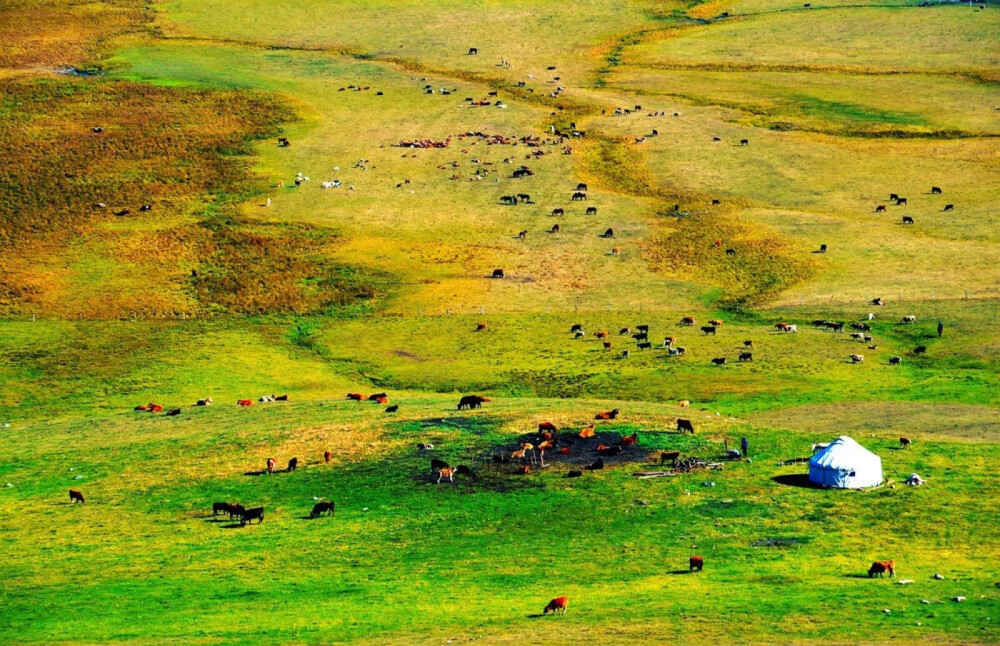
[(669, 456), (558, 212), (909, 318), (920, 349), (554, 229), (730, 252), (355, 396), (610, 233), (611, 414), (893, 197), (793, 329), (858, 335), (591, 210), (578, 327), (473, 51), (907, 219), (579, 334), (327, 456), (523, 234), (578, 196), (685, 426), (895, 360), (448, 472), (668, 341), (581, 187), (904, 442), (746, 356), (392, 409), (223, 507), (244, 402), (154, 408), (204, 402), (719, 361), (607, 345), (597, 465), (376, 396), (173, 412), (744, 142), (900, 201), (325, 507), (508, 200), (547, 426), (603, 334), (642, 328), (471, 402), (149, 207), (248, 515), (716, 202), (822, 248), (684, 403), (437, 465), (748, 343), (881, 567), (524, 197), (641, 336), (861, 327), (857, 358), (688, 320), (696, 563), (646, 345), (625, 354), (76, 496), (880, 208), (708, 329), (935, 190), (557, 605), (715, 322), (271, 464), (877, 301), (624, 331), (482, 327), (949, 207), (498, 273), (631, 440)]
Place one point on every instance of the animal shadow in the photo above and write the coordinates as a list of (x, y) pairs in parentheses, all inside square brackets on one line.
[(679, 572), (232, 526), (796, 480)]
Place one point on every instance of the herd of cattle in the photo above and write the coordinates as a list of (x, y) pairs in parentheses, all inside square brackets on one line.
[(902, 201)]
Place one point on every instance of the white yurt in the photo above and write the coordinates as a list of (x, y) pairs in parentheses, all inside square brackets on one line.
[(845, 464)]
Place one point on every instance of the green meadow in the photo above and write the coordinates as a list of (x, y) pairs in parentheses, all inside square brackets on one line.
[(239, 282)]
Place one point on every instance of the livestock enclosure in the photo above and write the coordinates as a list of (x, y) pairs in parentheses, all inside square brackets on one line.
[(774, 221)]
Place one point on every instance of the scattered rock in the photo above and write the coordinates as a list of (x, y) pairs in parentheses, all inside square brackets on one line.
[(365, 509), (78, 477), (906, 581), (925, 602), (887, 611), (9, 484)]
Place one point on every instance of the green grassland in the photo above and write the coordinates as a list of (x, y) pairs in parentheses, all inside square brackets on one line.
[(239, 284)]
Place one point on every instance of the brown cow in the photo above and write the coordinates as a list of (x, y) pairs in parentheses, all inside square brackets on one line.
[(244, 402), (546, 426), (881, 567), (611, 414), (669, 456), (76, 496), (603, 334), (327, 456), (155, 408), (355, 396), (696, 563), (557, 605), (685, 425), (607, 346), (271, 464), (293, 464)]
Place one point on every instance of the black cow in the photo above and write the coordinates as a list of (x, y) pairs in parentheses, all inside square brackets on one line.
[(645, 346), (641, 336), (610, 233), (471, 402), (579, 196), (392, 409), (746, 356), (708, 329), (293, 464), (936, 190), (591, 210), (893, 197), (509, 200), (907, 219), (498, 273), (685, 425), (173, 412), (581, 187), (524, 197), (223, 507), (597, 465), (949, 207), (900, 201), (730, 252), (557, 212), (248, 515), (744, 142), (320, 508), (577, 327), (642, 328), (719, 361), (473, 51)]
